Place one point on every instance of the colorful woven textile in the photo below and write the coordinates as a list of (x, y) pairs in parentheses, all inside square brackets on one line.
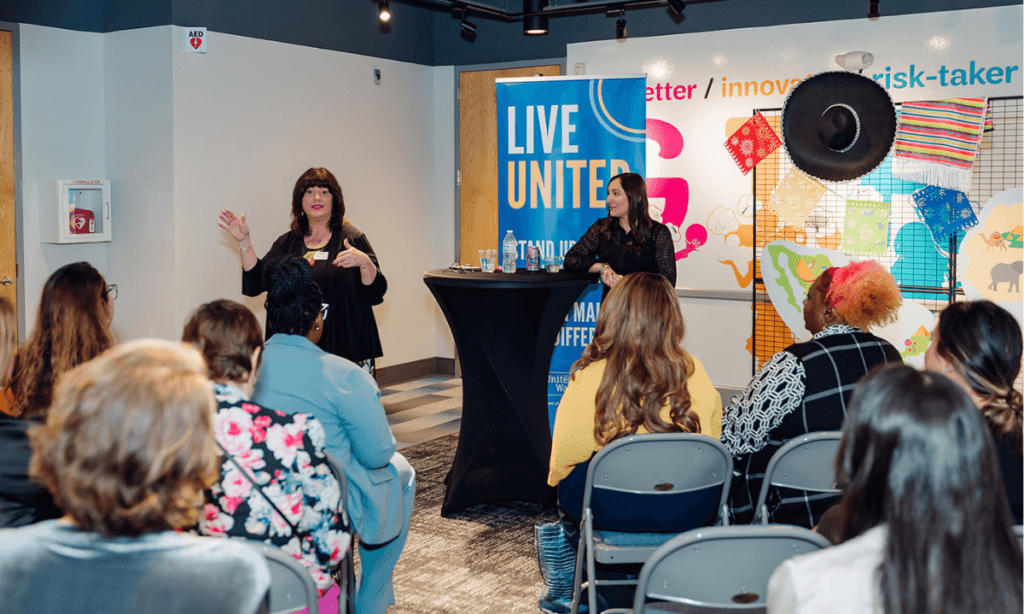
[(795, 197), (937, 141), (944, 211), (754, 141), (866, 231)]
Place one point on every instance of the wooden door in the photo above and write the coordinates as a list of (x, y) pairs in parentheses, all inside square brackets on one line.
[(478, 157), (8, 264)]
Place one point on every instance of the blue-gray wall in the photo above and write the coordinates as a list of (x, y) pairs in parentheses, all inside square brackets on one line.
[(424, 34)]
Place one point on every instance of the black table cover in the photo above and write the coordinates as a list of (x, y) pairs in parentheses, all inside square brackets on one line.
[(505, 326)]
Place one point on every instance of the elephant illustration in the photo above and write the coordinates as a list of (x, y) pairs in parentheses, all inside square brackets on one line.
[(1009, 273)]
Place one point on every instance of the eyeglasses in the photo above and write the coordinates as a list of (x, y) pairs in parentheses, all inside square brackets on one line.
[(323, 309), (112, 291)]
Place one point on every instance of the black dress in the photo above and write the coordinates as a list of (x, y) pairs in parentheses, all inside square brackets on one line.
[(350, 329), (657, 253)]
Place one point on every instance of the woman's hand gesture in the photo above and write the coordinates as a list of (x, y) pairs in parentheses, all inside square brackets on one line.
[(351, 257), (236, 226)]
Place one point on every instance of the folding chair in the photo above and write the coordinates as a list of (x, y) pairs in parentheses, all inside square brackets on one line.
[(804, 463), (720, 568), (291, 586), (639, 492), (346, 572)]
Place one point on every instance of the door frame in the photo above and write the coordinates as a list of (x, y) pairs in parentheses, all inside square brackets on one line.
[(19, 249)]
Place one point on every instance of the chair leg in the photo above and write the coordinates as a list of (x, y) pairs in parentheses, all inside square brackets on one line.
[(577, 588), (591, 569)]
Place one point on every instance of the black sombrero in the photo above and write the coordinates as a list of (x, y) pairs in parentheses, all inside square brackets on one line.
[(838, 126)]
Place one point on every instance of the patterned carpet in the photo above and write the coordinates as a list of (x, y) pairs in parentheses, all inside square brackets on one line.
[(480, 561)]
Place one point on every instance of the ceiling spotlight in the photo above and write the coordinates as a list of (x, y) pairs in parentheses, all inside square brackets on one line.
[(873, 9), (468, 28), (534, 23), (620, 26), (384, 11), (677, 6)]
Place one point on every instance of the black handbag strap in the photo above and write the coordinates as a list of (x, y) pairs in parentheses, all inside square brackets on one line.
[(295, 530)]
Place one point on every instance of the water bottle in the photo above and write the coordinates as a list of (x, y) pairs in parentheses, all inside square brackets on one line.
[(509, 253)]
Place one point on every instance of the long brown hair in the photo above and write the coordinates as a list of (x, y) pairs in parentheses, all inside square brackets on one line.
[(72, 327), (640, 333), (982, 342), (640, 223)]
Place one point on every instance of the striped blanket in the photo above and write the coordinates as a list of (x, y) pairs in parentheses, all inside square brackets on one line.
[(937, 141)]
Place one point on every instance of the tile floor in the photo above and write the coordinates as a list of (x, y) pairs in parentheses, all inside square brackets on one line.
[(423, 409)]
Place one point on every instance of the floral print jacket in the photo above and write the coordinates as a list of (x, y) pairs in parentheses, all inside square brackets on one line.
[(285, 455)]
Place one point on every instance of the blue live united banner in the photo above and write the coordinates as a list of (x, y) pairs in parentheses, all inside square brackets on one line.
[(560, 139)]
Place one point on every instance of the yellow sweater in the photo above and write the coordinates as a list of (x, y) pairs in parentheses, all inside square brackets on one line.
[(573, 439)]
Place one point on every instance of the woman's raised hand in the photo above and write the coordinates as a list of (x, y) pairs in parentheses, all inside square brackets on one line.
[(236, 226), (352, 257)]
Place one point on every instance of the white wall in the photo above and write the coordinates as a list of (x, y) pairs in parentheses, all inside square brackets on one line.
[(182, 136), (137, 69), (62, 137)]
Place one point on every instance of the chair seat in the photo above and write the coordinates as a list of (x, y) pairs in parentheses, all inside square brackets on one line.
[(622, 548)]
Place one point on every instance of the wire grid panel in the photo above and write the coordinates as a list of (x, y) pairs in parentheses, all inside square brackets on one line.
[(921, 267)]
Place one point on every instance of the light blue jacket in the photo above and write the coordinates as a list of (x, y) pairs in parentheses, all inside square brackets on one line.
[(298, 377)]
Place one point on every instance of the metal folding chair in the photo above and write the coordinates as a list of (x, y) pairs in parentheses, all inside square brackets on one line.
[(804, 463), (291, 586), (346, 572), (639, 492), (720, 568)]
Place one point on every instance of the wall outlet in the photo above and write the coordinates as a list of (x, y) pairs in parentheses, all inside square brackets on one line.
[(376, 76), (580, 68)]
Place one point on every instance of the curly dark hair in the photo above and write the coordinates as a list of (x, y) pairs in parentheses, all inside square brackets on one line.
[(293, 298), (320, 178)]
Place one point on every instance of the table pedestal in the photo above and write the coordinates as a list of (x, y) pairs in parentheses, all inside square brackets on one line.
[(505, 328)]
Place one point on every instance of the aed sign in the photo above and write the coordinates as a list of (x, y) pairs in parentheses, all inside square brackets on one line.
[(195, 40)]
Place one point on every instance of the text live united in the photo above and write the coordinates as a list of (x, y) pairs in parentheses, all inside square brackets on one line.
[(546, 182)]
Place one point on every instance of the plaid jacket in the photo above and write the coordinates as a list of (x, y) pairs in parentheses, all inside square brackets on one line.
[(803, 389)]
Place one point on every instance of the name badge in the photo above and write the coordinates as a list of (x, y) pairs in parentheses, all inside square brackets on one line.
[(320, 256)]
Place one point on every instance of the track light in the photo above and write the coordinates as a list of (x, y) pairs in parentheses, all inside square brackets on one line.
[(677, 6), (620, 26), (384, 11), (873, 9), (534, 24), (468, 27)]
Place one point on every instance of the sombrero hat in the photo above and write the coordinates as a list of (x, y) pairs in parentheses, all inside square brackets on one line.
[(838, 126)]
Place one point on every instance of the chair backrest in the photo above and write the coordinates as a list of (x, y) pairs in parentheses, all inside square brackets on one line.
[(805, 463), (721, 567), (291, 586), (346, 570), (339, 473), (658, 483)]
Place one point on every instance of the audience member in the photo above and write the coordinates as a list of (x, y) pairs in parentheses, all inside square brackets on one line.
[(807, 386), (126, 451), (72, 326), (978, 346), (275, 483), (924, 521), (634, 377), (299, 377)]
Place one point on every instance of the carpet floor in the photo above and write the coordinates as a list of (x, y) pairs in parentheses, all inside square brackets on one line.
[(481, 560)]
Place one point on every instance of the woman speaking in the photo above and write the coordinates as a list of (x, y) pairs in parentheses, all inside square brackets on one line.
[(344, 265)]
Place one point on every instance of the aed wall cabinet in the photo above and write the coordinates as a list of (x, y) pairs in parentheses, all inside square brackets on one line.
[(76, 211)]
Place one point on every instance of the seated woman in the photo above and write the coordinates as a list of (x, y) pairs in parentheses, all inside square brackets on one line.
[(806, 387), (634, 377), (72, 326), (275, 483), (627, 241), (978, 345), (126, 451), (299, 377), (924, 521)]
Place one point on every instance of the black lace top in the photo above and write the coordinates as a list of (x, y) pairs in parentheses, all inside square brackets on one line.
[(657, 253)]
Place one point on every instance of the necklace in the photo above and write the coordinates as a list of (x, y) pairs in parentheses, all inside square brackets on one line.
[(318, 239)]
